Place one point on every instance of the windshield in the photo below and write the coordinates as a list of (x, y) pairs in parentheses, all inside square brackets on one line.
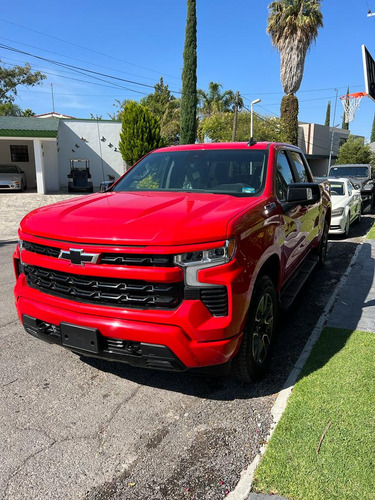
[(237, 172), (8, 169), (349, 172), (337, 188)]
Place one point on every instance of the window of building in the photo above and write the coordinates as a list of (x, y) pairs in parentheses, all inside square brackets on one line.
[(19, 153)]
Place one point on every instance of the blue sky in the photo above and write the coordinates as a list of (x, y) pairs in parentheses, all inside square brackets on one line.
[(142, 41)]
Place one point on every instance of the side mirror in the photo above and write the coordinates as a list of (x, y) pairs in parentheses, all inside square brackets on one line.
[(357, 187), (303, 193)]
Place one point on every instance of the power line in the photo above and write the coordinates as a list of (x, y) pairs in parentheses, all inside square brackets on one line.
[(79, 69), (72, 58)]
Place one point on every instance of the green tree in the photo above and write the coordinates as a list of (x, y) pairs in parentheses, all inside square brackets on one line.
[(293, 25), (328, 115), (372, 139), (188, 127), (345, 125), (170, 122), (140, 132), (10, 109), (218, 127), (11, 78), (157, 102), (215, 101), (354, 150)]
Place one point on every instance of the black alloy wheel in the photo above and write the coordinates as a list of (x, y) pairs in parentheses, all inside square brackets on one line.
[(323, 245), (254, 356)]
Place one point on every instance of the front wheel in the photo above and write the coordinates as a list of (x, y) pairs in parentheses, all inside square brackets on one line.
[(253, 358)]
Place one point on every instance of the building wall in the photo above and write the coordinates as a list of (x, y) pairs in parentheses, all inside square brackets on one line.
[(51, 169), (82, 139), (27, 167)]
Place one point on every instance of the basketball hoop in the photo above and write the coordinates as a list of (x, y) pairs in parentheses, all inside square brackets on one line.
[(351, 103)]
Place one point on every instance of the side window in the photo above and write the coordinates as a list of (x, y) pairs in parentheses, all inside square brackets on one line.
[(302, 175), (284, 175)]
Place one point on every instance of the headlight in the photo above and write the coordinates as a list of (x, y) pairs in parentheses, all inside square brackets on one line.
[(337, 211), (20, 244), (368, 186), (15, 179), (193, 262)]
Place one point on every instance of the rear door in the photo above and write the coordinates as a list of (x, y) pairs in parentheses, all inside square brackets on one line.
[(297, 222)]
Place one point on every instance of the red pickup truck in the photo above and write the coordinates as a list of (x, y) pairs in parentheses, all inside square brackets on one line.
[(182, 264)]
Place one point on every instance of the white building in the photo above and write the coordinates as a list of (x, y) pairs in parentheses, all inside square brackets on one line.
[(44, 147)]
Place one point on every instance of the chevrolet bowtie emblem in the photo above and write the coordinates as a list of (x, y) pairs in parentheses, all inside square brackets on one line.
[(78, 257)]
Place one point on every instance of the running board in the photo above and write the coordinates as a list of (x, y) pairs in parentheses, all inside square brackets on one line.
[(290, 292)]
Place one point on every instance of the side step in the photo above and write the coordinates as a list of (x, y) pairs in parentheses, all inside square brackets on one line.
[(290, 292)]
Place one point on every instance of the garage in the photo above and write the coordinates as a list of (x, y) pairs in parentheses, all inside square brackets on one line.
[(30, 143)]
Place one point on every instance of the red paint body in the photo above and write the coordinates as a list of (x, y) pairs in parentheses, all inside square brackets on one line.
[(168, 223)]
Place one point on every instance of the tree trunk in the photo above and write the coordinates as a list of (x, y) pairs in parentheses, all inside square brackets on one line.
[(289, 119), (188, 129), (292, 62)]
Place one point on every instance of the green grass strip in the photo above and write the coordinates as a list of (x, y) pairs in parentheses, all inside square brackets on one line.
[(337, 386), (371, 233)]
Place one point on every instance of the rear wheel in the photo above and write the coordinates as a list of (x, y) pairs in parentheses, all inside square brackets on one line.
[(253, 358), (323, 245)]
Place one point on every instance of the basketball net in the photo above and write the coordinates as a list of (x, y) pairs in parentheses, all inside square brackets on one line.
[(351, 103)]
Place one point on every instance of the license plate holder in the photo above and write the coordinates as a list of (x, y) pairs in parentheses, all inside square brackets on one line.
[(79, 337)]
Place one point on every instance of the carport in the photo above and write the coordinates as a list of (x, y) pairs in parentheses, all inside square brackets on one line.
[(31, 143)]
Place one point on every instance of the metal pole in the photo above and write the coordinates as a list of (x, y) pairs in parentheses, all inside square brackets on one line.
[(53, 100), (332, 134), (235, 117), (251, 116)]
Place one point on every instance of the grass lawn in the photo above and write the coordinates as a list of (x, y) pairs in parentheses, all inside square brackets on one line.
[(371, 233), (336, 394)]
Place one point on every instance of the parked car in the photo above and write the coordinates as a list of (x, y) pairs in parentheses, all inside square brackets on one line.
[(182, 264), (346, 205), (12, 178), (361, 175)]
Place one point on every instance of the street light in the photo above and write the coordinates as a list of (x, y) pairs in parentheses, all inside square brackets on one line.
[(251, 116), (331, 147)]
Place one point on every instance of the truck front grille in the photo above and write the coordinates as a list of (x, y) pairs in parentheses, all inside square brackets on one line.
[(105, 291)]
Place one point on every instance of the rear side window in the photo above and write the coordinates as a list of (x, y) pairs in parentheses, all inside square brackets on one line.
[(301, 172)]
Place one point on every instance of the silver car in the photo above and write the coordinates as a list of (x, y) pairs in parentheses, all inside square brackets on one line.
[(12, 178)]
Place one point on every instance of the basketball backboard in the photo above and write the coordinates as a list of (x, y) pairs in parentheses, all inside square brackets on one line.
[(369, 71)]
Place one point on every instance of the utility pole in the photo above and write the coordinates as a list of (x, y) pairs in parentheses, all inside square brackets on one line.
[(53, 100), (235, 116)]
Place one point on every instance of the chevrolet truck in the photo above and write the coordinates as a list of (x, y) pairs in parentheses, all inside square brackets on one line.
[(182, 264)]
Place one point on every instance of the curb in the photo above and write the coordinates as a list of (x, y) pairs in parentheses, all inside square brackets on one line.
[(244, 485)]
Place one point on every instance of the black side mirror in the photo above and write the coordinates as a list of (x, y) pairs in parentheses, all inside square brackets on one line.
[(302, 194)]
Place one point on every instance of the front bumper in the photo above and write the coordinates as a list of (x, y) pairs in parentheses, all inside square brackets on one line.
[(137, 343), (337, 225), (186, 337)]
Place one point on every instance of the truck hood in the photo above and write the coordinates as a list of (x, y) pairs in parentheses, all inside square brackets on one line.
[(130, 218)]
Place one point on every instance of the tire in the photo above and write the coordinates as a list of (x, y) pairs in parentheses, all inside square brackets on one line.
[(253, 358), (359, 217), (347, 227), (323, 245)]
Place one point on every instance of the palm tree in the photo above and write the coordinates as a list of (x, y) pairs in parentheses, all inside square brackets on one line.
[(293, 25), (215, 101)]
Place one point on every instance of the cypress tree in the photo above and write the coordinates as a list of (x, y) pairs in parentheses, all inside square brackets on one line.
[(372, 138), (328, 115), (345, 125), (188, 125), (140, 132)]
